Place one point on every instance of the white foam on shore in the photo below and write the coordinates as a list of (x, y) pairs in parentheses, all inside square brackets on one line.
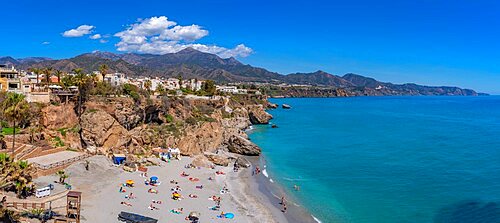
[(264, 172), (271, 180), (316, 219)]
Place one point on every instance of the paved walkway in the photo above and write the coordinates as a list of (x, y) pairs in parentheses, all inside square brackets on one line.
[(54, 158)]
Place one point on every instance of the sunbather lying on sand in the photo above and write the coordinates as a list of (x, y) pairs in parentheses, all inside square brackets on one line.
[(193, 196), (126, 203), (177, 211), (151, 207)]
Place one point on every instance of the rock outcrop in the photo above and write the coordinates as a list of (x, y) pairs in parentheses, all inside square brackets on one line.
[(59, 117), (201, 161), (272, 105), (198, 127), (219, 159), (100, 129), (242, 162), (198, 139), (240, 145), (258, 115)]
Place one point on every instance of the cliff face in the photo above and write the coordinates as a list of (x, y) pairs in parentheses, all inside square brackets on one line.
[(195, 126)]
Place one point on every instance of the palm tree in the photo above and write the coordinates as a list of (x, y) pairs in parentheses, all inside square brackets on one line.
[(3, 144), (148, 85), (160, 88), (62, 176), (104, 70), (80, 80), (48, 71), (7, 215), (16, 109), (37, 71), (17, 175), (59, 74)]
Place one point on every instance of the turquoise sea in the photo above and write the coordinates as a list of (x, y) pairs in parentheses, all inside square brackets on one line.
[(388, 159)]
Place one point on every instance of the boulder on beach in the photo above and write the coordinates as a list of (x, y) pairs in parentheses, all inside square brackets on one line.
[(240, 145), (242, 162), (219, 159), (201, 161)]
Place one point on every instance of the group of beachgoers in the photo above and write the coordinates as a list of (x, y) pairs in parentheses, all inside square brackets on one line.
[(176, 191)]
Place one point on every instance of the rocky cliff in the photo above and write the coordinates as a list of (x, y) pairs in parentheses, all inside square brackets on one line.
[(197, 126)]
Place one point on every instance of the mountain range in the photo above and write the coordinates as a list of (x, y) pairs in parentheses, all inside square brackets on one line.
[(190, 63)]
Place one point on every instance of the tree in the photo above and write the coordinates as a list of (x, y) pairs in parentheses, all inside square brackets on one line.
[(62, 176), (59, 74), (3, 144), (48, 71), (15, 110), (209, 87), (160, 88), (16, 175), (81, 80), (104, 70), (37, 72), (7, 215), (180, 80), (148, 84)]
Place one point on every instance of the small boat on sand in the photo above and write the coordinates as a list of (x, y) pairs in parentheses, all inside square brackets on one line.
[(135, 218)]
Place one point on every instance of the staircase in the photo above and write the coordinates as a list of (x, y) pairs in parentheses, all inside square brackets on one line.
[(20, 149)]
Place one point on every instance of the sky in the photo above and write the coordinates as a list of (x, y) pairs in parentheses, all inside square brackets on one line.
[(453, 43)]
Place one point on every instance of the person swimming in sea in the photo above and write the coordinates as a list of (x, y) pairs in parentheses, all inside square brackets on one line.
[(296, 188)]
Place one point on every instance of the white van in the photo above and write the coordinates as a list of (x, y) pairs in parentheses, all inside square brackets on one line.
[(42, 192)]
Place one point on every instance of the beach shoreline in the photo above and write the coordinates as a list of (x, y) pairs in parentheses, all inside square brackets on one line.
[(264, 185), (249, 196)]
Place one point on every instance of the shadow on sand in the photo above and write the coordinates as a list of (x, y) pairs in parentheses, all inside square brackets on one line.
[(469, 211)]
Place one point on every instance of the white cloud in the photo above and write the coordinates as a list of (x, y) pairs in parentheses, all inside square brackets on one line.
[(78, 32), (96, 36), (103, 41), (188, 33), (158, 35), (45, 43)]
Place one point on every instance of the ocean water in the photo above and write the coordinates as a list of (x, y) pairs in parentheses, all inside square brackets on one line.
[(388, 159)]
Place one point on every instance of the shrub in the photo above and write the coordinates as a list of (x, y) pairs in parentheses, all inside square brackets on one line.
[(169, 118)]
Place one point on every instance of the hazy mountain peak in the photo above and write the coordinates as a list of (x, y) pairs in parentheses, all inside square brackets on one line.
[(188, 50)]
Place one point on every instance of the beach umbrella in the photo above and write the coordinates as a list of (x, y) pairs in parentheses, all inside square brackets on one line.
[(130, 182), (154, 178), (229, 215)]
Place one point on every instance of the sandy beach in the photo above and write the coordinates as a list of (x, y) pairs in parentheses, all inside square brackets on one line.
[(102, 199)]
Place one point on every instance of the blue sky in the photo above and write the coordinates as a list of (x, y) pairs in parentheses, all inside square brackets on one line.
[(429, 42)]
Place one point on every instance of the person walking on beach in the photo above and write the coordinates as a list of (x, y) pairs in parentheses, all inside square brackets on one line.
[(283, 204)]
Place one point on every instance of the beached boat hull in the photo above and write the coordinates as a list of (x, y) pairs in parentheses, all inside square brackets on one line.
[(135, 218)]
